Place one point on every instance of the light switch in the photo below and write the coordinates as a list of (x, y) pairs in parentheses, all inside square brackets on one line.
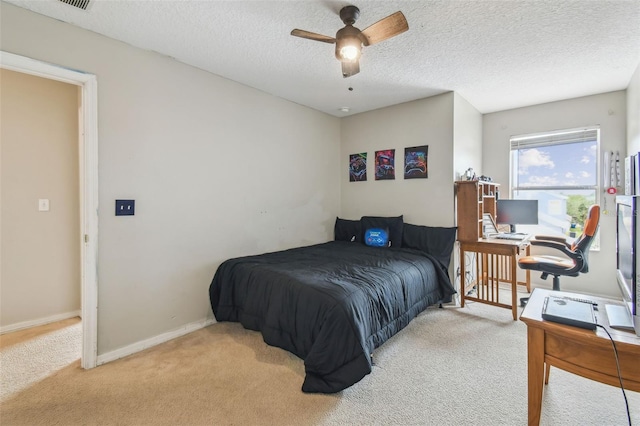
[(125, 207), (43, 205)]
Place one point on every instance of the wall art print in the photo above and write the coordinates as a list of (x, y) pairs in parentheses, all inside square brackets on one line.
[(415, 162), (358, 167), (385, 164)]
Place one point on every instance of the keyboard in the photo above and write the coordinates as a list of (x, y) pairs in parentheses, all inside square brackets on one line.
[(516, 237)]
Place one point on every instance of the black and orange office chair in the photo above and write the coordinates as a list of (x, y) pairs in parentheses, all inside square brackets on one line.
[(576, 261)]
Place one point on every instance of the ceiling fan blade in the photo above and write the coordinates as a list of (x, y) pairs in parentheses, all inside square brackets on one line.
[(385, 28), (350, 68), (313, 36)]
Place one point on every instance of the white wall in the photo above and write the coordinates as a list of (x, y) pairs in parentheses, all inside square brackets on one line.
[(467, 153), (422, 201), (467, 138), (607, 110), (40, 250), (217, 170), (633, 114)]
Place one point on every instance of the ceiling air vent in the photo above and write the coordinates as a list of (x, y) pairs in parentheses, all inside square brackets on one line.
[(80, 4)]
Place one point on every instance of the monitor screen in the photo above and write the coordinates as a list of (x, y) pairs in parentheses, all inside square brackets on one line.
[(625, 249), (627, 258), (517, 212)]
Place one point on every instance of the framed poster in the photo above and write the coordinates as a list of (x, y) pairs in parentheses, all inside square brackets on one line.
[(358, 167), (415, 162), (385, 164)]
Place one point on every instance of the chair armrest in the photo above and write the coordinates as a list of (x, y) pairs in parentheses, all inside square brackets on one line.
[(561, 246), (552, 238)]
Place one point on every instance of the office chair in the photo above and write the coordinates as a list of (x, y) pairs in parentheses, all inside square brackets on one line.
[(576, 261)]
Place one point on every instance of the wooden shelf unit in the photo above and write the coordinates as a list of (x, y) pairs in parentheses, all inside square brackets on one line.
[(474, 198)]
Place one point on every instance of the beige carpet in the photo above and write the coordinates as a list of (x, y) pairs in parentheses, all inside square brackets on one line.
[(28, 356), (450, 366)]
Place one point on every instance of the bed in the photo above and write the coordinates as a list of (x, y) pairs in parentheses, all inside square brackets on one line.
[(332, 304)]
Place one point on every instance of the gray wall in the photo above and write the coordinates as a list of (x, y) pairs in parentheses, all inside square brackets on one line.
[(422, 201), (467, 137), (217, 170), (633, 114), (606, 110)]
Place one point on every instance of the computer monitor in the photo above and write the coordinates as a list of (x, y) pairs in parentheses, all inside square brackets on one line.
[(516, 212), (627, 263)]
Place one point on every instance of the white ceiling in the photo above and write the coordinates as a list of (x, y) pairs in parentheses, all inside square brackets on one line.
[(496, 54)]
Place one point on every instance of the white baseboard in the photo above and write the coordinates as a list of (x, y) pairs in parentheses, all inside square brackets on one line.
[(153, 341), (39, 321)]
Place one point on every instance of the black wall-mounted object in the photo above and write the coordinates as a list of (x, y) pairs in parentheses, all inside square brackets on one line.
[(125, 207)]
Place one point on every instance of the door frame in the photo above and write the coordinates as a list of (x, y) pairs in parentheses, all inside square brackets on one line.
[(88, 167)]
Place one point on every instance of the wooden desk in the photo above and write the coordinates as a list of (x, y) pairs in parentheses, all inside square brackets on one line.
[(584, 352), (495, 262)]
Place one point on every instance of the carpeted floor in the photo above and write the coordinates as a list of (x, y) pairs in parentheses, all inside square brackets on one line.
[(451, 366), (28, 356)]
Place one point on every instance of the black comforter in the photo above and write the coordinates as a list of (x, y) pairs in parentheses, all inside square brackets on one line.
[(330, 304)]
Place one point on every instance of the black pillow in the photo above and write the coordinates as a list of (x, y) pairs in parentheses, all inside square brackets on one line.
[(393, 224), (347, 230), (436, 241)]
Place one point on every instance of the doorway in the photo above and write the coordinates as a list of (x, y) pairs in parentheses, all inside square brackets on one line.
[(88, 186)]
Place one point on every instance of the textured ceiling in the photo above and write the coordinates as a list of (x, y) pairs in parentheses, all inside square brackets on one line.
[(496, 54)]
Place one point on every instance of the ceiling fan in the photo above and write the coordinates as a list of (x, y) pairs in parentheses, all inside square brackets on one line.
[(349, 40)]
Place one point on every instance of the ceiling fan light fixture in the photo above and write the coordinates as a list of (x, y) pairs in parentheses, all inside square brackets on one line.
[(349, 53), (350, 40), (348, 44)]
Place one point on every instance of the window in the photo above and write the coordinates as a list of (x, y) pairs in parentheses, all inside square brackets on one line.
[(560, 170)]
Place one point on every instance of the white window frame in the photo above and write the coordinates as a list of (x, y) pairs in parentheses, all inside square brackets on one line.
[(552, 138)]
